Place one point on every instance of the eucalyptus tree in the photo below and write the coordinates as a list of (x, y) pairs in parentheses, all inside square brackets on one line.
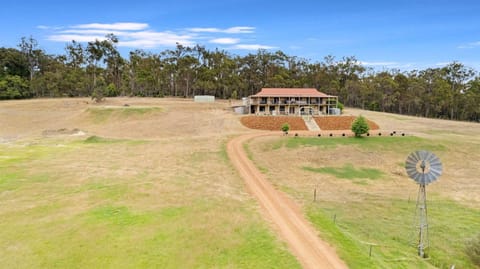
[(51, 79), (222, 67), (177, 67), (106, 50), (75, 55), (186, 67), (472, 101), (133, 65), (14, 74), (457, 76), (113, 60), (29, 48), (249, 71), (14, 87), (13, 62), (75, 73), (95, 52), (435, 93)]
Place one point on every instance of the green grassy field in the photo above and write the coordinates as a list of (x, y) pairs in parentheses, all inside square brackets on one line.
[(102, 114), (119, 203), (355, 213), (151, 186)]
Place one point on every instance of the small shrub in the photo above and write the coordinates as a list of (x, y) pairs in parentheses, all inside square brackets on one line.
[(98, 95), (111, 90), (341, 107), (360, 126), (473, 249), (234, 95), (285, 128)]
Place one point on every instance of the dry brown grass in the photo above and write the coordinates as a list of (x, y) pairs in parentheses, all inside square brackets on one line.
[(176, 117), (68, 203), (458, 146), (381, 210), (172, 157)]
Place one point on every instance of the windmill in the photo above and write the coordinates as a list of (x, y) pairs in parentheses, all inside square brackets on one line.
[(424, 168)]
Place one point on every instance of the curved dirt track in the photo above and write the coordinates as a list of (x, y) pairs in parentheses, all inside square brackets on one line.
[(289, 222)]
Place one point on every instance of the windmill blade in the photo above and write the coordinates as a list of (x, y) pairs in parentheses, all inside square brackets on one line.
[(429, 178), (423, 155), (412, 159), (428, 159), (417, 155), (432, 158)]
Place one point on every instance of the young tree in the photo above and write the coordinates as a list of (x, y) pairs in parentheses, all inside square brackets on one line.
[(360, 126), (285, 128)]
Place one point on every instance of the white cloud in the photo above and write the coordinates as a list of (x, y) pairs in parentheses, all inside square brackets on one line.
[(90, 32), (391, 65), (78, 38), (123, 26), (240, 30), (252, 47), (442, 64), (225, 41), (378, 63), (129, 34), (204, 30), (154, 39), (140, 35), (231, 30), (470, 45)]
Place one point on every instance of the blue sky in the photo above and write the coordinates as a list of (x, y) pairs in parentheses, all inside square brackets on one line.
[(381, 34)]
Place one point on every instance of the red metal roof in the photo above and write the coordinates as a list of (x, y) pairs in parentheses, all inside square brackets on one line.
[(290, 92)]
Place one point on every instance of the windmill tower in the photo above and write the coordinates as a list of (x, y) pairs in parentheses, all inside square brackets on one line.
[(424, 168)]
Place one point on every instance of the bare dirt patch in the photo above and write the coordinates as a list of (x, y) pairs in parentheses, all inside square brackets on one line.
[(63, 131), (333, 123), (272, 123)]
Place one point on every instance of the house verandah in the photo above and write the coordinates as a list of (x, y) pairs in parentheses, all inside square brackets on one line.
[(292, 101)]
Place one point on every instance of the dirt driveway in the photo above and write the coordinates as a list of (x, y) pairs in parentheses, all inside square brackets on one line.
[(286, 216)]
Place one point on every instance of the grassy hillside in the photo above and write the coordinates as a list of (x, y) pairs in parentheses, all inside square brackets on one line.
[(131, 193), (149, 186), (364, 198)]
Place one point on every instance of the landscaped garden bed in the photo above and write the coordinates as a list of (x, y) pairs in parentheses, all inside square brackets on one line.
[(340, 123), (273, 123)]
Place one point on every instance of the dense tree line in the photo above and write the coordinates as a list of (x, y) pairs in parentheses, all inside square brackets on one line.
[(98, 69)]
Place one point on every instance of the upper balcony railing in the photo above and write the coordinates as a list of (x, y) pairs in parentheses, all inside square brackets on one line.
[(284, 101)]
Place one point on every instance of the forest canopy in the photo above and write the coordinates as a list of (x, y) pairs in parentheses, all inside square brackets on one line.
[(97, 68)]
